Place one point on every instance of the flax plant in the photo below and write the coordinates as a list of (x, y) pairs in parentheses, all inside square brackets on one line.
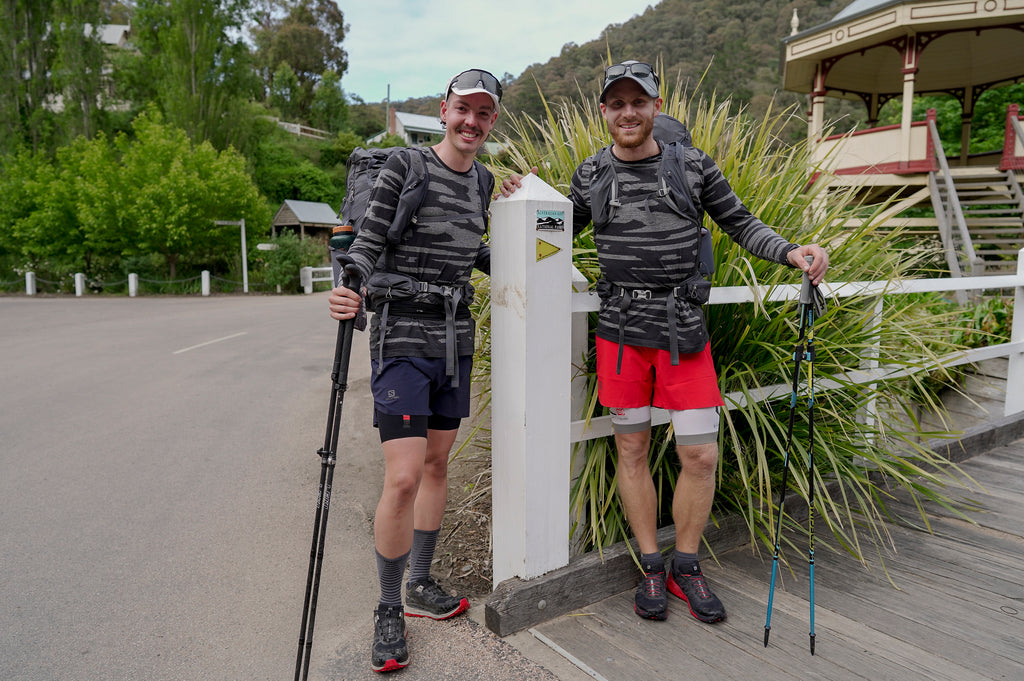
[(864, 461)]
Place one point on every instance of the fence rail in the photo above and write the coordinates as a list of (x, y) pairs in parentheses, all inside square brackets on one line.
[(587, 301)]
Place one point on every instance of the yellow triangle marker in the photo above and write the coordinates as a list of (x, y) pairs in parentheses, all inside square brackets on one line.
[(545, 250)]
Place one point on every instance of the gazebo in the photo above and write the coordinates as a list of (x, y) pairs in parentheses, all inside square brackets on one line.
[(874, 51)]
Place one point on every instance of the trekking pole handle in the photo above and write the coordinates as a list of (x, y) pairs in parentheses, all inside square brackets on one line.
[(806, 295)]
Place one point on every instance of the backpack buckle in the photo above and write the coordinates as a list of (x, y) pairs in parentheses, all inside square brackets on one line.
[(641, 294)]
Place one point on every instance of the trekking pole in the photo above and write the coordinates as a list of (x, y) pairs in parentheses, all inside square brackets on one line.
[(328, 457), (810, 304)]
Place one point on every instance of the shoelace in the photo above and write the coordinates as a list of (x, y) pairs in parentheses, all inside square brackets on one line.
[(654, 585), (390, 625), (432, 589), (700, 585)]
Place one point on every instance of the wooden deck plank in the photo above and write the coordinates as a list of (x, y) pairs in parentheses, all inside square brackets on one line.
[(958, 612)]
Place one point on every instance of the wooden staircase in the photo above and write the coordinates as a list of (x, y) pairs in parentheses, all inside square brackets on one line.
[(980, 215)]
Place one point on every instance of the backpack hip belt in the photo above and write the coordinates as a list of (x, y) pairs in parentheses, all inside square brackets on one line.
[(452, 296), (694, 290)]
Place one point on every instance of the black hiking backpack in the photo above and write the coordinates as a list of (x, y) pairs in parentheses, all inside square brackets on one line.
[(604, 186), (364, 165)]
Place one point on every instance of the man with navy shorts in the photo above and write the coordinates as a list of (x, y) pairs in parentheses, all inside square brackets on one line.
[(652, 339), (422, 350)]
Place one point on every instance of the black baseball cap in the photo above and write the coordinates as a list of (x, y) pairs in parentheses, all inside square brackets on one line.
[(639, 72)]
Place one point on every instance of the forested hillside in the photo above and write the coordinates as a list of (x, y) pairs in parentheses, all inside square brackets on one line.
[(736, 42)]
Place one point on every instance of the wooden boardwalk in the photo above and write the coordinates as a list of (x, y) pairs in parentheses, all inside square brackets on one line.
[(957, 614)]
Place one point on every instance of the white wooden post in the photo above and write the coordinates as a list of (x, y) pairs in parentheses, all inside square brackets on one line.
[(205, 279), (30, 283), (531, 265), (1015, 369), (79, 284), (133, 285)]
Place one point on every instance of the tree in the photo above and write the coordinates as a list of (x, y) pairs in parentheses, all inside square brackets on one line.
[(179, 189), (329, 110), (187, 63), (284, 92), (26, 52), (78, 65), (308, 38)]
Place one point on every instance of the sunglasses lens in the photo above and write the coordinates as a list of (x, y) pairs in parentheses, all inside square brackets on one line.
[(640, 70), (615, 71)]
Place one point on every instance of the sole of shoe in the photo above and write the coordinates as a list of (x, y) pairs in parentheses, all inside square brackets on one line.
[(676, 591), (412, 611), (391, 665), (649, 615)]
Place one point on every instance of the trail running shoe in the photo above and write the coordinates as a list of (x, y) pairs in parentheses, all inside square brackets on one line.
[(425, 598), (693, 588), (650, 601), (389, 651)]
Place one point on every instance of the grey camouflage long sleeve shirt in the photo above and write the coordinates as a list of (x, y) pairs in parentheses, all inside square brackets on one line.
[(648, 245), (442, 253)]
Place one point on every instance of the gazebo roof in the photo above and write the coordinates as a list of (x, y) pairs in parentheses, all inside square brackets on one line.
[(978, 44)]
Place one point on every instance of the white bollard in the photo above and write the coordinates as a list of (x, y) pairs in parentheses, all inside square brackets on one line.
[(30, 283), (205, 279), (79, 284), (531, 265), (306, 279), (133, 285)]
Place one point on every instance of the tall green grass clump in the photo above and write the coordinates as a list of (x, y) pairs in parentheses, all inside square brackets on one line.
[(753, 344)]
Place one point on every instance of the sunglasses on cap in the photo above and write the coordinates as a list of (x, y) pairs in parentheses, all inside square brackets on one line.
[(639, 72), (475, 80), (638, 69)]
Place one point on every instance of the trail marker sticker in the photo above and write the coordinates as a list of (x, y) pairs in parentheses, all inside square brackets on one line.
[(545, 250), (551, 220)]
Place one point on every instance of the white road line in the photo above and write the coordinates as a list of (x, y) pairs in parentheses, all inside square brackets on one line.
[(210, 342)]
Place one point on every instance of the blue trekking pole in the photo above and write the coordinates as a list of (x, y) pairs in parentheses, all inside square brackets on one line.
[(811, 304)]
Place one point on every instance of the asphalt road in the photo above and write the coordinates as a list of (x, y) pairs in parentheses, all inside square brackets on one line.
[(158, 477)]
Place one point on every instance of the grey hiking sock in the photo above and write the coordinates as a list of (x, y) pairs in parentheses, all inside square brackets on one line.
[(652, 562), (422, 554), (390, 571), (685, 563)]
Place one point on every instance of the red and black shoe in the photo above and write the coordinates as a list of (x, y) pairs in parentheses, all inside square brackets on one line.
[(694, 590), (389, 652), (650, 601)]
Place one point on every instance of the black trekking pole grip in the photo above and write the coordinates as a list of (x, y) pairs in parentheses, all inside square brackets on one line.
[(806, 288)]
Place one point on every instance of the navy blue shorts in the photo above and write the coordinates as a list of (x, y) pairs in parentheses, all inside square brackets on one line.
[(417, 386)]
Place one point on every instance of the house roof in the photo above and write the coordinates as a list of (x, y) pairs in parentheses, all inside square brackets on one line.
[(419, 123), (294, 212)]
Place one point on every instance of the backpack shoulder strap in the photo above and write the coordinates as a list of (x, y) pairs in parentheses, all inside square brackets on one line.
[(672, 181), (604, 188), (414, 191), (485, 183)]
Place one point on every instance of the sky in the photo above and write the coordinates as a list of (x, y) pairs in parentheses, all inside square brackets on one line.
[(418, 45)]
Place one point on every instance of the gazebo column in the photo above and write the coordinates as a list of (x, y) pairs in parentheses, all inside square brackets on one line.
[(967, 107), (816, 120), (910, 55)]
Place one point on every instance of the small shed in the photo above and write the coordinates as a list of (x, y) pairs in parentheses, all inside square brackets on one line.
[(317, 217)]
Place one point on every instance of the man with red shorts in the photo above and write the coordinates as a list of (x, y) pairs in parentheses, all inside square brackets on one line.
[(652, 338)]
